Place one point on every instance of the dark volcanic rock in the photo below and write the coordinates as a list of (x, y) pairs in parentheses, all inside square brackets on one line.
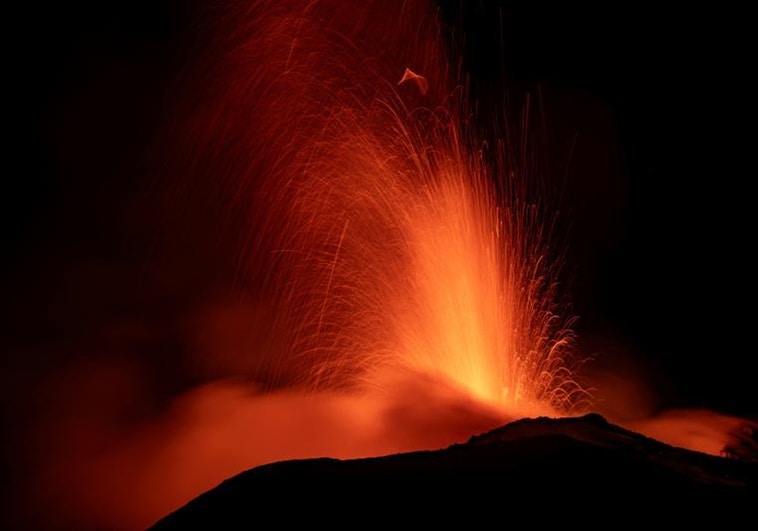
[(550, 466)]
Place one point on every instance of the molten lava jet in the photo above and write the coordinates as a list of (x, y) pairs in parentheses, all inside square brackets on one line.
[(397, 280)]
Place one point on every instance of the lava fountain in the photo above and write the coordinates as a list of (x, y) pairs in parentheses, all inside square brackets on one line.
[(407, 264), (395, 273), (393, 244)]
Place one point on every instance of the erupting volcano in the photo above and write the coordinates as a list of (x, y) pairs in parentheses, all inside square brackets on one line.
[(394, 245), (378, 267)]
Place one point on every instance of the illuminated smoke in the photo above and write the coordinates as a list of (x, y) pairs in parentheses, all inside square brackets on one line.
[(391, 245), (395, 286), (406, 290)]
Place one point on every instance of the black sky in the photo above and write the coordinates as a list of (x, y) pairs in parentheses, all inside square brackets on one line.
[(660, 103)]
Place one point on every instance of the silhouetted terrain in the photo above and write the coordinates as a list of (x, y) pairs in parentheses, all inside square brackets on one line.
[(541, 464)]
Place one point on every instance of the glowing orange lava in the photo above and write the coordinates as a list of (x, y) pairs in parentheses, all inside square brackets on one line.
[(391, 244), (397, 286), (405, 273)]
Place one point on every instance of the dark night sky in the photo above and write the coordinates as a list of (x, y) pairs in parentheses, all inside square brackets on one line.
[(659, 101), (663, 109)]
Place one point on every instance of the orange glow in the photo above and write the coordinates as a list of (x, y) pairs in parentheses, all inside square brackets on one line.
[(405, 285), (420, 81), (404, 294), (404, 291), (700, 430), (390, 243)]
